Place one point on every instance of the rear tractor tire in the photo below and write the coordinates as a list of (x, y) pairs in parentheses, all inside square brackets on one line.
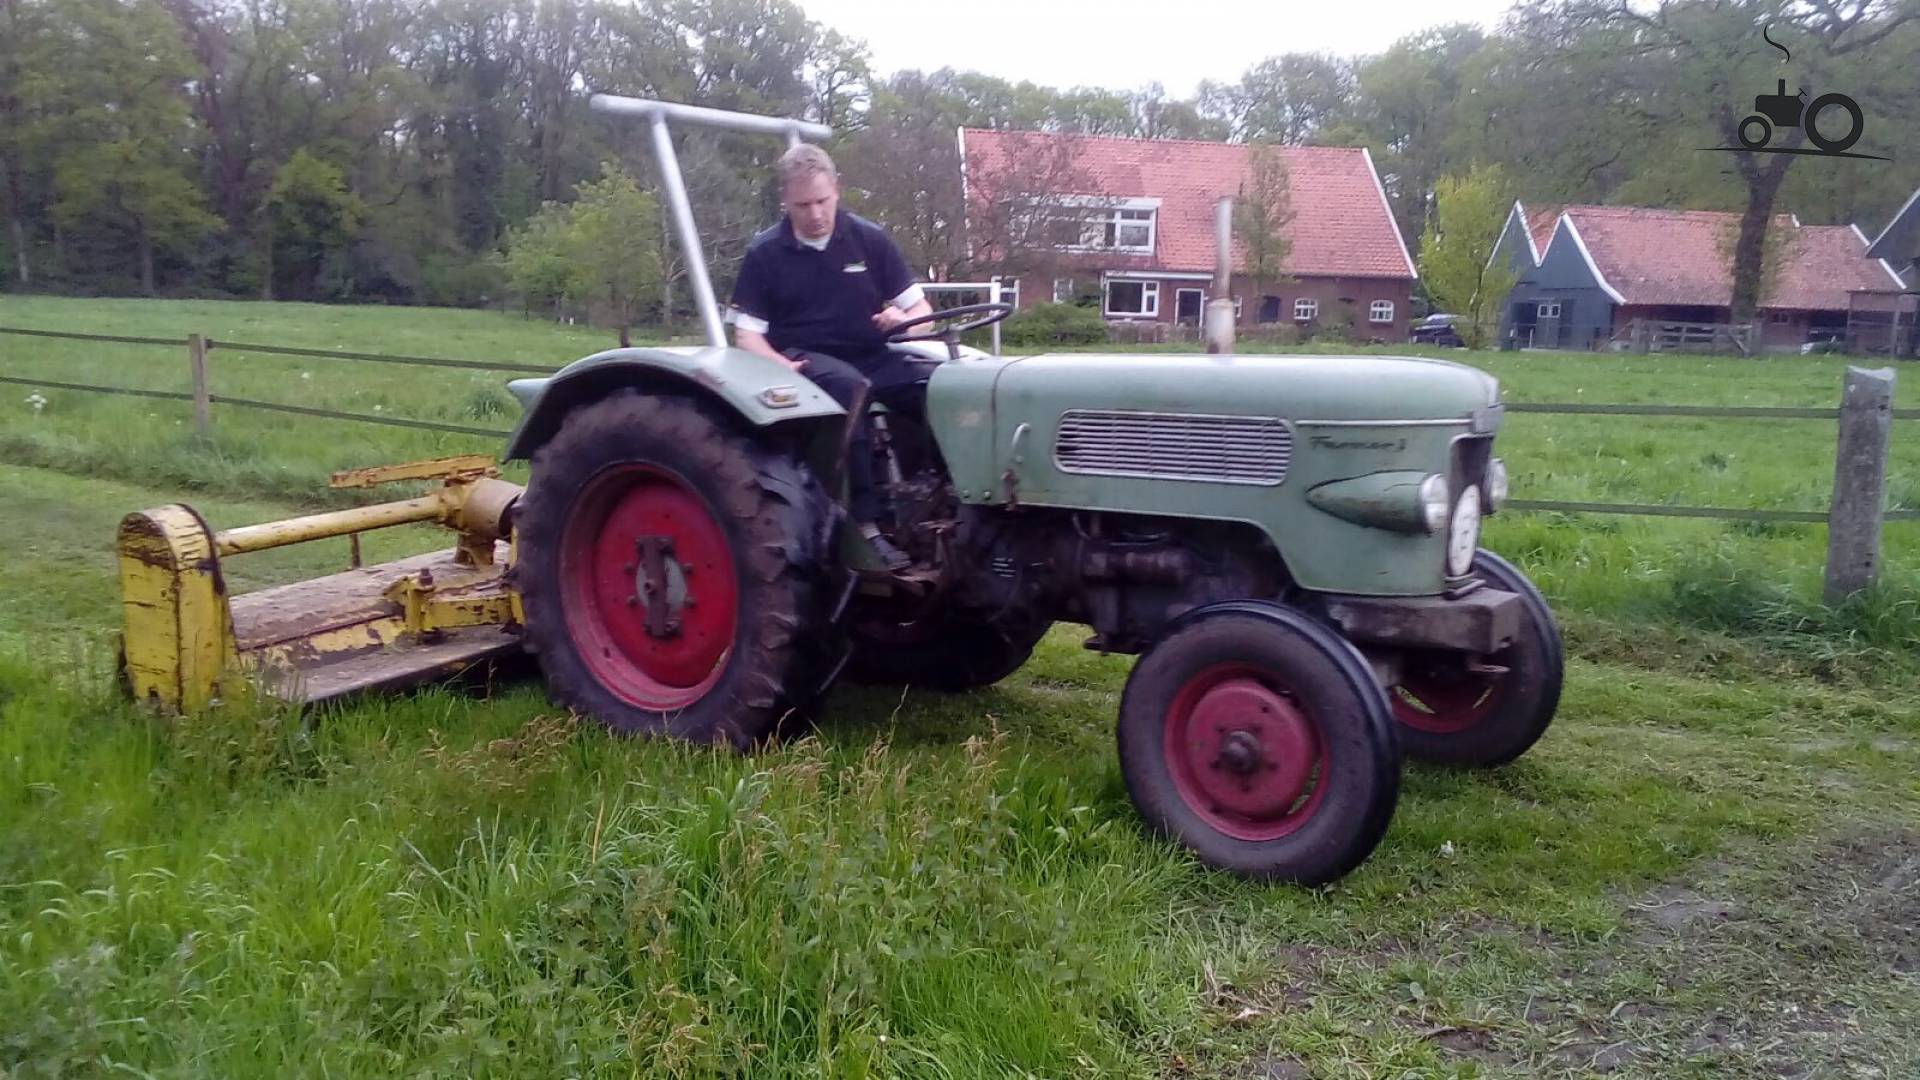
[(940, 651), (672, 572), (1451, 716), (1261, 740)]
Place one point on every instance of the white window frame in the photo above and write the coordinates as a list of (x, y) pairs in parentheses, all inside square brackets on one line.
[(1149, 299), (1120, 220), (1200, 313), (1380, 311), (1063, 290), (1101, 217), (1546, 309), (1306, 309)]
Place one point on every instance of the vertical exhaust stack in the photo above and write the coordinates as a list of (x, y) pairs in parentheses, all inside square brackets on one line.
[(1219, 316)]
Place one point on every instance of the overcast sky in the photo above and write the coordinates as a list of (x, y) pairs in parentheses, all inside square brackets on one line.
[(1124, 44)]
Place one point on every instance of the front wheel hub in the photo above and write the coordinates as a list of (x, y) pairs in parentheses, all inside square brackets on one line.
[(1243, 755)]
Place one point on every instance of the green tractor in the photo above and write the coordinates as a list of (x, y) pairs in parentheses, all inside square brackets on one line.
[(1288, 543)]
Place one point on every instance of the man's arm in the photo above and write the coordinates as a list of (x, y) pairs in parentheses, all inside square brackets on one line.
[(909, 301), (752, 302), (755, 341)]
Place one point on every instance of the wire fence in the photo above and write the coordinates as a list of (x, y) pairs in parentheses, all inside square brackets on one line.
[(1762, 412)]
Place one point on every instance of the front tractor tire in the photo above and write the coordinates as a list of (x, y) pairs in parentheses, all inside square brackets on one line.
[(1451, 715), (671, 572), (1260, 740)]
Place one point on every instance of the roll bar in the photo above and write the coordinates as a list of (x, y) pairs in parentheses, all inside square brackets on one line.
[(658, 115)]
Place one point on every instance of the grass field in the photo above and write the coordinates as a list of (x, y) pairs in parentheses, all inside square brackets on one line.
[(1710, 867)]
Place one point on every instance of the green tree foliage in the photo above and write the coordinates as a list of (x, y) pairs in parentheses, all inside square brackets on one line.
[(1262, 212), (1456, 254), (387, 149), (598, 253), (311, 218), (123, 155)]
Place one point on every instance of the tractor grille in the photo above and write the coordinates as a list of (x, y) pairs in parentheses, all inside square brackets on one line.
[(1175, 446)]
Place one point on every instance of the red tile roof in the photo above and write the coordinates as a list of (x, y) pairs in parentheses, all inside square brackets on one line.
[(1540, 223), (1686, 257), (1341, 223)]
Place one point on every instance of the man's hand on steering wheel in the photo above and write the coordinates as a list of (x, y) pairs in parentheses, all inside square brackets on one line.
[(889, 317), (976, 316)]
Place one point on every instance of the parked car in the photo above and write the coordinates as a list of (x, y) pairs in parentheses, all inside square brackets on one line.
[(1437, 329)]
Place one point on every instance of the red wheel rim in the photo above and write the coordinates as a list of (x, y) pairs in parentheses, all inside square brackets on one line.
[(1445, 701), (1244, 756), (652, 595)]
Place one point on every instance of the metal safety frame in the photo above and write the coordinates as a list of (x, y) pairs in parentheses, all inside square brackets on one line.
[(660, 115)]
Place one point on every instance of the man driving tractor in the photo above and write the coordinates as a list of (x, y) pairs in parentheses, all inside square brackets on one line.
[(820, 292)]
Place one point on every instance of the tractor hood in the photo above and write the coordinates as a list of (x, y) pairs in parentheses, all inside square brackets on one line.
[(1229, 438), (1294, 388)]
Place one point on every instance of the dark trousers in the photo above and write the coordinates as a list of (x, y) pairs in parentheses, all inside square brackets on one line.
[(885, 378)]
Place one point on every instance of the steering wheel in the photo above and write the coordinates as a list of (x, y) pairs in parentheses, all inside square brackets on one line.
[(985, 315)]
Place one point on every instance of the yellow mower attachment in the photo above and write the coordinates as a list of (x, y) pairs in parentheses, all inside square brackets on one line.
[(369, 627)]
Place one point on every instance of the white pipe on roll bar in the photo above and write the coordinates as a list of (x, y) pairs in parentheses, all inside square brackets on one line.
[(701, 116)]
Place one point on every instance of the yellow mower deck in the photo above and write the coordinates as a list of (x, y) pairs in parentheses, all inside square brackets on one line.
[(398, 623)]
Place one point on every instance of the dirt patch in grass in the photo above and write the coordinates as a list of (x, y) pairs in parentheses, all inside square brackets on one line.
[(1763, 964)]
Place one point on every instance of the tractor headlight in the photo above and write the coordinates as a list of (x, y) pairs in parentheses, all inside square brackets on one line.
[(1463, 533), (1496, 485), (1434, 495)]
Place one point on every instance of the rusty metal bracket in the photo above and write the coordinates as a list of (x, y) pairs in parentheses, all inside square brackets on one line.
[(429, 607), (1484, 622), (654, 590)]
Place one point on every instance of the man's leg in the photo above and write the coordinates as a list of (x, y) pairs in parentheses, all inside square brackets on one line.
[(844, 383)]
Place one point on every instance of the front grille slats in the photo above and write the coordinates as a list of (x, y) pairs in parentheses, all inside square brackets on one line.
[(1175, 446)]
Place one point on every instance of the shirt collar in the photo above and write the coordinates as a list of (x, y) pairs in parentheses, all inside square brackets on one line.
[(793, 239)]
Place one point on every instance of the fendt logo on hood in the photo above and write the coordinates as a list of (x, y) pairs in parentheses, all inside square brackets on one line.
[(1832, 122)]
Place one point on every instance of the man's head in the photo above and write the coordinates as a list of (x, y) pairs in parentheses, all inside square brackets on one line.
[(809, 191)]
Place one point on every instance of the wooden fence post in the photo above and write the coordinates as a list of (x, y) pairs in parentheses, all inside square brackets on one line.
[(1859, 483), (202, 401)]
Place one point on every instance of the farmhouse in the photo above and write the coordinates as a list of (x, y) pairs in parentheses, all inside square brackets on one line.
[(1590, 275), (1899, 245), (1128, 224)]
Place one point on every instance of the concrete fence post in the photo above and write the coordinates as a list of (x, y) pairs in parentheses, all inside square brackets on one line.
[(202, 400), (1859, 482)]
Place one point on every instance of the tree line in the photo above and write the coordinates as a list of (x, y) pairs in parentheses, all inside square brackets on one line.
[(441, 151)]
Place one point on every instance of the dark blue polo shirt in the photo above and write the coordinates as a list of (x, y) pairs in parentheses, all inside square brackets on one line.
[(824, 300)]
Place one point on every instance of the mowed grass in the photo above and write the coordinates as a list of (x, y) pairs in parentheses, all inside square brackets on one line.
[(1710, 867)]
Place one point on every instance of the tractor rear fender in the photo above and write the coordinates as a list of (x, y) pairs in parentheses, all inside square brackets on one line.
[(760, 393)]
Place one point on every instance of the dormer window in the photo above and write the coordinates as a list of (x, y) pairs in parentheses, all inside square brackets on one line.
[(1130, 229), (1094, 223)]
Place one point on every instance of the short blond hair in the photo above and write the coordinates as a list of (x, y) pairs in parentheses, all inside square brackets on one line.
[(803, 160)]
